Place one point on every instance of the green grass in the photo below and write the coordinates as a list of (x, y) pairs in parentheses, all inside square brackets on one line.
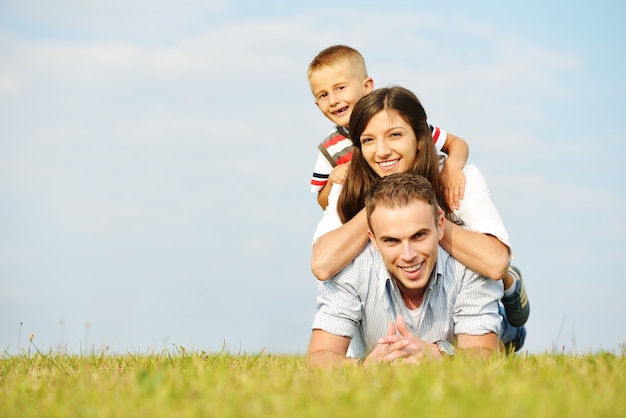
[(185, 384)]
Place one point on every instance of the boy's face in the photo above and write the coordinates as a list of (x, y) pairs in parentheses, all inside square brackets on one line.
[(407, 239), (336, 89)]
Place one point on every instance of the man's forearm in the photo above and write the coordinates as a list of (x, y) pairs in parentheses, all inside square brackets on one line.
[(328, 358)]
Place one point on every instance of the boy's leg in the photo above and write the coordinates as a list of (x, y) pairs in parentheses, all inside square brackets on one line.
[(515, 300)]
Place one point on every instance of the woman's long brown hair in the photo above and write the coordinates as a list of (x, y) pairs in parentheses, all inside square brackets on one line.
[(360, 177)]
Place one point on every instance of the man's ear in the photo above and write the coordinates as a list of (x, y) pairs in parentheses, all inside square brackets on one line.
[(368, 85), (370, 234), (440, 221)]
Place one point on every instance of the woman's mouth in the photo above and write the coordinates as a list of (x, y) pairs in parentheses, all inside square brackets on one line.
[(389, 164)]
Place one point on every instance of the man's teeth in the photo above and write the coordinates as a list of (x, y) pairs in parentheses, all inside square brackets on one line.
[(412, 268), (387, 163)]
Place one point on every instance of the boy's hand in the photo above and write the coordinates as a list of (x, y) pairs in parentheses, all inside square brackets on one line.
[(453, 180), (338, 174)]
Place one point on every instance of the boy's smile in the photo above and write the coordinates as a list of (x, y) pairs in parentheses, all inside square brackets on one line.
[(337, 89)]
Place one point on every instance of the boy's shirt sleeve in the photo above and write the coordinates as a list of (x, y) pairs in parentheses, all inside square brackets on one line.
[(334, 150), (320, 173), (439, 136)]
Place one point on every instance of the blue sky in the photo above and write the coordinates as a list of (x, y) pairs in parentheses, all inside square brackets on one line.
[(155, 159)]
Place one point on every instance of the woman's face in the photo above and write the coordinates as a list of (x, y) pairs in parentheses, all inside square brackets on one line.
[(388, 143)]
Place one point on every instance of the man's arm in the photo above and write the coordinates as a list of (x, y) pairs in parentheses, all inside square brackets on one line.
[(483, 346), (326, 349), (452, 171)]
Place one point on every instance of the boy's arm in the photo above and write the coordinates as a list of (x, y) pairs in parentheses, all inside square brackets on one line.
[(322, 195), (337, 175), (452, 172)]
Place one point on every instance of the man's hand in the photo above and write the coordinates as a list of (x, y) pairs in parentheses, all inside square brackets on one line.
[(403, 348)]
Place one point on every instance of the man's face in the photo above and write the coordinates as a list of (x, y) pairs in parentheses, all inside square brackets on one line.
[(407, 239), (337, 89), (388, 143)]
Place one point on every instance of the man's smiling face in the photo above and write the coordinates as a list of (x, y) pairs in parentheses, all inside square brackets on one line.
[(408, 239)]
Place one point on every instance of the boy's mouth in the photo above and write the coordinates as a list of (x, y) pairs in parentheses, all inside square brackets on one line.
[(340, 111)]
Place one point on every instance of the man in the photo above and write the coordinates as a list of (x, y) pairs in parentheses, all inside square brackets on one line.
[(404, 275)]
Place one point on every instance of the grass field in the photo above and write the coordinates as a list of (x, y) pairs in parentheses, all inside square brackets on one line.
[(181, 384)]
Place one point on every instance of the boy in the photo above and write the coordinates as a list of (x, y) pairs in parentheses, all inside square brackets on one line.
[(338, 79)]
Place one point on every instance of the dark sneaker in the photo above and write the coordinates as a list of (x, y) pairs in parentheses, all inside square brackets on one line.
[(516, 305), (518, 342)]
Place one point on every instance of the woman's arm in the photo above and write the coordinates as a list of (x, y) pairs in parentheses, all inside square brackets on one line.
[(335, 249), (484, 245), (482, 253)]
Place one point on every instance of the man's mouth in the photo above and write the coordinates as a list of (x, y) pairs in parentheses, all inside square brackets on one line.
[(412, 269)]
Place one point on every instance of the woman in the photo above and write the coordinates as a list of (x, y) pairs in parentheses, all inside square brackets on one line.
[(390, 134)]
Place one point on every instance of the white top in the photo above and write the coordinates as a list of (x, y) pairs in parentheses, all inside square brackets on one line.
[(476, 209)]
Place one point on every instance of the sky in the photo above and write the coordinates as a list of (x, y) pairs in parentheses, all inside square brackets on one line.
[(155, 159)]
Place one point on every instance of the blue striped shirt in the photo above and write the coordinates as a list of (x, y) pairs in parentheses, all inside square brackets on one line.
[(362, 299)]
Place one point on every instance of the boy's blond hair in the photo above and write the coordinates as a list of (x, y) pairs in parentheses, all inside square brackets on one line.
[(337, 53)]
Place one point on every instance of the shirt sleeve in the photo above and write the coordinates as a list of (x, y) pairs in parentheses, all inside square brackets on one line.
[(439, 137), (339, 306), (330, 219), (477, 209), (320, 173), (476, 306)]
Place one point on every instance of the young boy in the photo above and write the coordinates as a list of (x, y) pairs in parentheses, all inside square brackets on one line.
[(338, 78)]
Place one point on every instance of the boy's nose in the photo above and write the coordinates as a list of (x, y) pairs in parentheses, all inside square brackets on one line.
[(334, 98)]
